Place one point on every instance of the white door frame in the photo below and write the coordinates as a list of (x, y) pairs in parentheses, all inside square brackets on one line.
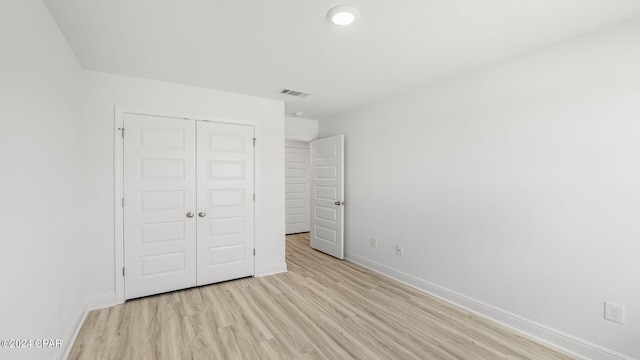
[(119, 113)]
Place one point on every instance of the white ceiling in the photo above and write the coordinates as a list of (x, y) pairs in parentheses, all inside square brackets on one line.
[(257, 47)]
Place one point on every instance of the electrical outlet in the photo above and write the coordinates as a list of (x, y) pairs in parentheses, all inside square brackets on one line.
[(399, 250), (614, 312), (374, 242)]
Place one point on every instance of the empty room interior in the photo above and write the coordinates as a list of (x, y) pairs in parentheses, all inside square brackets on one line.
[(288, 179)]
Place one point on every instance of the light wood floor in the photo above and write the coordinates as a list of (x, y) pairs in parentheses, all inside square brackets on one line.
[(323, 308)]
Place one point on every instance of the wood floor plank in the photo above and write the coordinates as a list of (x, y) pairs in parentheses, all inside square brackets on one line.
[(323, 308)]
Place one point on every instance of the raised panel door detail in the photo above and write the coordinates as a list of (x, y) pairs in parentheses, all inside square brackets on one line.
[(160, 232), (221, 142), (296, 204), (226, 226), (162, 200), (324, 151), (295, 157), (326, 172), (225, 255), (162, 169), (296, 218), (296, 196), (162, 138), (326, 213), (226, 197), (162, 264), (226, 170), (296, 173), (326, 192), (296, 188), (326, 234)]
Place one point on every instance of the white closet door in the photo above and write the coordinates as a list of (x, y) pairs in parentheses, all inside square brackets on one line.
[(327, 195), (159, 193), (297, 187), (225, 202)]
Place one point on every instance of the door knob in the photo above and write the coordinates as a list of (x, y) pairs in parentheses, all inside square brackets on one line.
[(189, 214), (202, 214), (339, 203)]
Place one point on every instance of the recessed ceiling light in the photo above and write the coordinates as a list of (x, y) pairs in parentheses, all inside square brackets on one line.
[(343, 15)]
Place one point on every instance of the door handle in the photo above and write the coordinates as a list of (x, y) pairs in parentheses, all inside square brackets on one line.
[(339, 203), (189, 214), (202, 214)]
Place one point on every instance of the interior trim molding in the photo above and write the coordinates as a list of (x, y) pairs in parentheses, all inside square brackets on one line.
[(299, 144), (271, 269), (101, 301), (559, 339), (72, 332), (299, 138)]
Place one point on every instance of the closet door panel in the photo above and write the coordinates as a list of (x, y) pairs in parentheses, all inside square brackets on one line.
[(159, 193), (225, 201)]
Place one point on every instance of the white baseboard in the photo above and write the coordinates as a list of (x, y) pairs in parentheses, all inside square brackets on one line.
[(569, 343), (271, 269), (90, 303), (72, 332), (101, 301)]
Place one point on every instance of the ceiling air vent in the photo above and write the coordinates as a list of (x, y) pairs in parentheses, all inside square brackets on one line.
[(295, 93)]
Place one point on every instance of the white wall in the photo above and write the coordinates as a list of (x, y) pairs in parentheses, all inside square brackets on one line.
[(40, 260), (103, 92), (300, 129), (516, 186), (57, 208)]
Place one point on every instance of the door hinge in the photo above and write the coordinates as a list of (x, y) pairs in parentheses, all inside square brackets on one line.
[(254, 252), (254, 197), (122, 129), (123, 271), (122, 202), (254, 141)]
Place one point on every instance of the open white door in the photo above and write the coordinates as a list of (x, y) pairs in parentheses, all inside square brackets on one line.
[(327, 195)]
